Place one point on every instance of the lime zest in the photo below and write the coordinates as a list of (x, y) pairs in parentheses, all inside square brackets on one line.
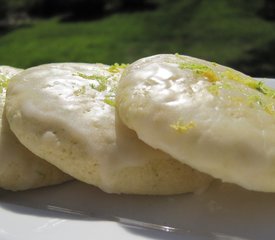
[(3, 83), (262, 88), (101, 80), (200, 69), (116, 67), (255, 99), (250, 82), (108, 100), (101, 85), (180, 56), (267, 107)]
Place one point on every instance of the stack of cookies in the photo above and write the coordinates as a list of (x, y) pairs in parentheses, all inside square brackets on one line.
[(165, 124)]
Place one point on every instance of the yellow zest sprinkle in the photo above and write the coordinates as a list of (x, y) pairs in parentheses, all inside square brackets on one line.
[(214, 89), (231, 75), (80, 91), (183, 127), (116, 68), (211, 76), (200, 69), (269, 108)]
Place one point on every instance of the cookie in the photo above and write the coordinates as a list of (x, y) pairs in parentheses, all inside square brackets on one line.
[(211, 117), (20, 169), (65, 113)]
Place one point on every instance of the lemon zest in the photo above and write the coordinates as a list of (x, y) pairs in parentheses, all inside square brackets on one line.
[(270, 108), (183, 127), (201, 70)]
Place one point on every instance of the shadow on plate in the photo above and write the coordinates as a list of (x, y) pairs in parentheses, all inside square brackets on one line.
[(224, 211)]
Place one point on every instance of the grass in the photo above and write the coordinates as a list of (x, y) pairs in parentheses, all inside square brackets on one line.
[(230, 32)]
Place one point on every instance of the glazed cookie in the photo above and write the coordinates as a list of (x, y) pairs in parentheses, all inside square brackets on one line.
[(213, 118), (65, 114), (19, 168)]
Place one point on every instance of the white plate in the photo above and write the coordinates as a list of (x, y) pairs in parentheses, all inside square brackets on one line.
[(224, 212), (25, 215)]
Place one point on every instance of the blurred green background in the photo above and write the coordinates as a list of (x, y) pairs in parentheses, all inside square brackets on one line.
[(237, 33)]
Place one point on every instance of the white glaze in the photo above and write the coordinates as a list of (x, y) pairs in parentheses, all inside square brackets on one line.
[(65, 108), (19, 168), (230, 139)]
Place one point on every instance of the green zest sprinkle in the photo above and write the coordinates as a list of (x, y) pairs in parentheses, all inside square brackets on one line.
[(100, 85), (255, 99), (102, 81), (109, 101), (3, 83), (180, 56), (250, 82), (261, 87), (183, 127), (201, 70), (116, 68), (267, 107)]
